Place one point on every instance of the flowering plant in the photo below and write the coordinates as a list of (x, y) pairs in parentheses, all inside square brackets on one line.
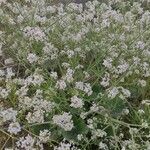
[(75, 76)]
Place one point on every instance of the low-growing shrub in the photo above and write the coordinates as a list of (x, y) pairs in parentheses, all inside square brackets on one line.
[(75, 76)]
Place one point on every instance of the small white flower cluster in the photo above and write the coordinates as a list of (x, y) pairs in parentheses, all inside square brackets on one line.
[(76, 102), (103, 146), (32, 58), (36, 116), (64, 145), (36, 79), (61, 63), (105, 80), (9, 61), (44, 136), (65, 65), (2, 73), (8, 115), (26, 143), (114, 91), (38, 105), (140, 45), (54, 75), (122, 68), (94, 107), (79, 137), (92, 123), (4, 93), (142, 83), (3, 1), (108, 63), (9, 73), (98, 133), (86, 87), (61, 84), (50, 50), (64, 121), (69, 75), (34, 33), (14, 128)]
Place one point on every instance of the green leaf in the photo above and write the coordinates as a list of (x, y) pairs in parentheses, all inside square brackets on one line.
[(115, 106), (79, 128)]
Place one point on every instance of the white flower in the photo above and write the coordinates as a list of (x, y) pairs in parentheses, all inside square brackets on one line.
[(105, 80), (4, 93), (44, 136), (8, 114), (83, 115), (51, 9), (37, 116), (79, 66), (141, 111), (86, 87), (87, 75), (32, 58), (50, 50), (79, 85), (64, 121), (26, 143), (140, 45), (25, 102), (122, 68), (65, 65), (20, 18), (40, 19), (94, 108), (70, 53), (14, 128), (22, 91), (148, 145), (142, 83), (145, 17), (76, 102), (69, 75), (8, 61), (112, 93), (34, 33), (2, 1), (61, 84), (64, 145), (98, 133), (2, 73), (37, 79), (9, 73), (146, 102), (105, 23), (54, 75), (79, 137), (102, 146), (133, 131), (108, 63), (145, 124), (125, 111), (126, 92)]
